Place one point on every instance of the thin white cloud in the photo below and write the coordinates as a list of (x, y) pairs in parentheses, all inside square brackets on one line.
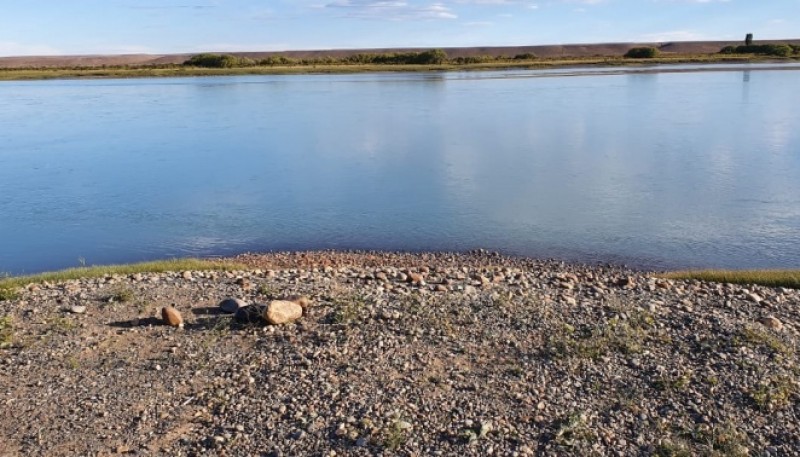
[(12, 48), (673, 35), (391, 10)]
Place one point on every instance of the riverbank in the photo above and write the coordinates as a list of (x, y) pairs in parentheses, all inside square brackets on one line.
[(401, 354), (29, 74)]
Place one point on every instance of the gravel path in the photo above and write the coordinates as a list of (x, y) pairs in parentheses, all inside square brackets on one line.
[(402, 354)]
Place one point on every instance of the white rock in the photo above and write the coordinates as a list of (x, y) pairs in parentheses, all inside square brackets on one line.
[(282, 312)]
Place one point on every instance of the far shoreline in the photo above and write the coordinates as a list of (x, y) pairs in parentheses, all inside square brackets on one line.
[(615, 65)]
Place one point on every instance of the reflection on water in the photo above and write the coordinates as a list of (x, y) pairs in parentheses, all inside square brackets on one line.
[(654, 169)]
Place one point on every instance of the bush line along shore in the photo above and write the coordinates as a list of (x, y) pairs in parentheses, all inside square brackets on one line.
[(412, 61), (397, 354)]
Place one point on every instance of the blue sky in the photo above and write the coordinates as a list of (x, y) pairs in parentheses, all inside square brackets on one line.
[(37, 27)]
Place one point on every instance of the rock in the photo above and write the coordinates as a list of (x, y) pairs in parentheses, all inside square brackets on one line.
[(282, 312), (231, 305), (187, 275), (441, 288), (416, 278), (77, 309), (754, 298), (570, 301), (404, 425), (301, 300), (627, 283), (172, 317), (253, 314), (772, 322)]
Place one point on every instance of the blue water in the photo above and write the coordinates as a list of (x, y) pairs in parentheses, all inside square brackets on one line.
[(653, 169)]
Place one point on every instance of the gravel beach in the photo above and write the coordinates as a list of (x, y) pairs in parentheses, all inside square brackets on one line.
[(430, 354)]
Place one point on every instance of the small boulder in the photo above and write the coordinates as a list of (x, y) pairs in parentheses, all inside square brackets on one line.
[(282, 312), (172, 317), (231, 305), (772, 322)]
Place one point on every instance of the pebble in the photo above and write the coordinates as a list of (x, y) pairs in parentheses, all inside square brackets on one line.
[(78, 309)]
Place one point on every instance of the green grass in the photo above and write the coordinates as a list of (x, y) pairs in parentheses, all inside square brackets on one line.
[(773, 394), (770, 278), (161, 266), (7, 293), (6, 332), (176, 70)]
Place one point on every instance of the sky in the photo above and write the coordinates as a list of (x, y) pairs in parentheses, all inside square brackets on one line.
[(65, 27)]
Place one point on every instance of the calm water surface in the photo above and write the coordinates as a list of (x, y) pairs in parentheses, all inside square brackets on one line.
[(659, 170)]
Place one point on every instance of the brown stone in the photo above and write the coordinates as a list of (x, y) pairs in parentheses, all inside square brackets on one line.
[(772, 322), (171, 317), (301, 300), (282, 312), (415, 278)]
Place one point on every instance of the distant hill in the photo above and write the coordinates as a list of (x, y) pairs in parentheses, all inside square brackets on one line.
[(567, 50)]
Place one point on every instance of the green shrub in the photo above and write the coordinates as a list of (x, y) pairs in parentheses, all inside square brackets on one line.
[(277, 60), (472, 59), (217, 61), (777, 50), (526, 56), (641, 53)]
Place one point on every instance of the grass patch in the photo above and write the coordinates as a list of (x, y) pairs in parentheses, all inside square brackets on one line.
[(676, 382), (755, 337), (160, 266), (8, 293), (62, 325), (265, 290), (122, 295), (347, 309), (6, 332), (672, 448), (773, 394), (572, 430), (720, 441), (769, 278), (593, 342), (395, 436)]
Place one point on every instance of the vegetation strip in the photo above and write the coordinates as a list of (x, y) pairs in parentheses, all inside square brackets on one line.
[(8, 285), (172, 70), (769, 278)]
